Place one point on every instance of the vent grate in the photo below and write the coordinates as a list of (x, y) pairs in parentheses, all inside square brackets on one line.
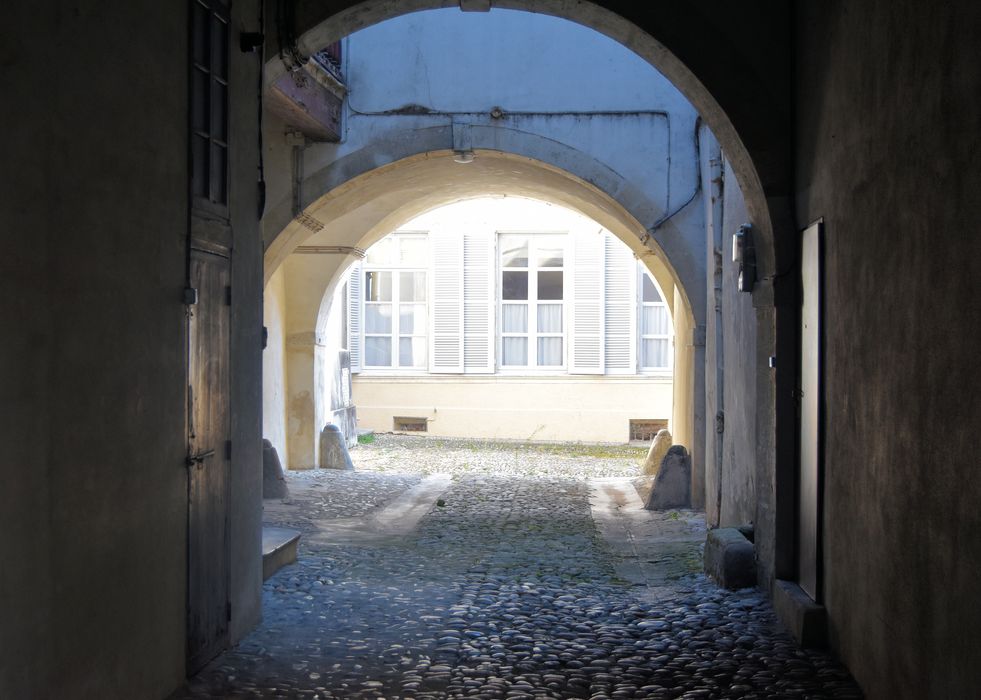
[(646, 428), (410, 425)]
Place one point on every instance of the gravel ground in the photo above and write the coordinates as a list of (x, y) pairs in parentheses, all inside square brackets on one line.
[(505, 591)]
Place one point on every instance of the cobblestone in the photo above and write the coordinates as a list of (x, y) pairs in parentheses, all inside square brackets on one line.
[(506, 590)]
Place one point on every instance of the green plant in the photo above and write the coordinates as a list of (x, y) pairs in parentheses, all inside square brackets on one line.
[(366, 439)]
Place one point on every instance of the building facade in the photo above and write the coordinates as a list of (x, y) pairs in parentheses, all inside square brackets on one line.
[(450, 318)]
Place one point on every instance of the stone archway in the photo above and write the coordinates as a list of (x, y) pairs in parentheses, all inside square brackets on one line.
[(355, 214)]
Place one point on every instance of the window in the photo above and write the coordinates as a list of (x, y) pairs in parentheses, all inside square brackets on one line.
[(655, 327), (532, 293), (209, 104), (395, 295)]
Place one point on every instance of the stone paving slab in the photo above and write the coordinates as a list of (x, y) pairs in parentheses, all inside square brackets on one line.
[(652, 549), (396, 519)]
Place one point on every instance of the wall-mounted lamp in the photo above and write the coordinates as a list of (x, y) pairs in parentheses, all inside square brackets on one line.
[(463, 156), (744, 255)]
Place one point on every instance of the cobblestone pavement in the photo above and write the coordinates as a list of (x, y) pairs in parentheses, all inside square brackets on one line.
[(505, 590)]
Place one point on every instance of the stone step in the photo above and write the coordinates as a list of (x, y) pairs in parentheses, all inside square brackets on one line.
[(278, 549)]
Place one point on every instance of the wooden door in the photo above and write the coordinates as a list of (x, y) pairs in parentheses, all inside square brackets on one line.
[(208, 449), (809, 481)]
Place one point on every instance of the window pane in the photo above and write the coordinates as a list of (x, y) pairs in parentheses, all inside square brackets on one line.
[(412, 286), (200, 165), (514, 251), (200, 30), (219, 107), (412, 319), (219, 174), (549, 352), (377, 318), (200, 98), (655, 353), (381, 252), (412, 252), (514, 318), (515, 352), (549, 285), (219, 47), (650, 291), (550, 318), (378, 351), (378, 286), (654, 321), (412, 352), (515, 286), (550, 250)]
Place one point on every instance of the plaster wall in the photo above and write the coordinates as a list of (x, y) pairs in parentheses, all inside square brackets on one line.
[(566, 409), (274, 363), (887, 139), (94, 499), (738, 475)]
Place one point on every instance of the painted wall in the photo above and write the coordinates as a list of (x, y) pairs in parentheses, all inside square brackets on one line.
[(887, 141), (94, 499), (562, 408), (274, 364)]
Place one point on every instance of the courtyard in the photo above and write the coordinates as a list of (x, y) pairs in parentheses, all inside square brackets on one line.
[(455, 568)]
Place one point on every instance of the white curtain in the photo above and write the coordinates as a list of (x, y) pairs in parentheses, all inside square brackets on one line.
[(549, 352)]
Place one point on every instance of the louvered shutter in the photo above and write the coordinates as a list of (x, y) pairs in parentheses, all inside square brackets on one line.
[(586, 329), (354, 306), (620, 307), (446, 336), (478, 303)]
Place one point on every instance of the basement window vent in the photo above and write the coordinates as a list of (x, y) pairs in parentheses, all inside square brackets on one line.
[(645, 428), (410, 425)]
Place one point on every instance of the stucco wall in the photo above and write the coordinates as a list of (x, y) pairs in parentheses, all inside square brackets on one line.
[(887, 139), (738, 483), (274, 364), (561, 408)]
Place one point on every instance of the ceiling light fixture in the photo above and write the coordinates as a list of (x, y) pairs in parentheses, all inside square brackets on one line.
[(463, 156)]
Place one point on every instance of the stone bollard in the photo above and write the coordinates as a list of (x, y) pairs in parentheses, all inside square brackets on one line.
[(333, 449), (659, 447), (273, 477), (730, 558), (672, 487)]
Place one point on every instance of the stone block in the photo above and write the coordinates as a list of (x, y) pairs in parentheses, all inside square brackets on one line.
[(672, 487), (273, 476), (659, 448), (730, 558), (806, 620), (333, 449)]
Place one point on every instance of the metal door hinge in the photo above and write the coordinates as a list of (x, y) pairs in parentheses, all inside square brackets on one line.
[(228, 449), (190, 296), (228, 296), (720, 422)]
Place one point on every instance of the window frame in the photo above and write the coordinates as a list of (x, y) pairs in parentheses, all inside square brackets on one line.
[(532, 333), (205, 176), (395, 334)]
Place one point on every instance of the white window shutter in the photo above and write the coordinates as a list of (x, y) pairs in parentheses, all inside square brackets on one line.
[(586, 328), (620, 319), (478, 302), (354, 306), (446, 337)]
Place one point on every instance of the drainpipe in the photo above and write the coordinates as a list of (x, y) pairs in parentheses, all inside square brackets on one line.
[(716, 191)]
